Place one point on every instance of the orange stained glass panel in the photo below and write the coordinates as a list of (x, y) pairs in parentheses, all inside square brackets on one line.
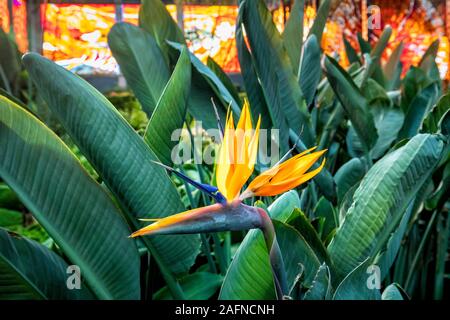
[(76, 36), (4, 16), (19, 16)]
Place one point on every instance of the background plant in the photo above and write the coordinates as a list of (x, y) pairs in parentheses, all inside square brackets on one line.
[(383, 198)]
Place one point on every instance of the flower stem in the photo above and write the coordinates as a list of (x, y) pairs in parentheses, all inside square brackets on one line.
[(275, 256)]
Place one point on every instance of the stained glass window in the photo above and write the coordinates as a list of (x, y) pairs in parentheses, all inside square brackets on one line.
[(19, 17), (76, 36), (4, 17)]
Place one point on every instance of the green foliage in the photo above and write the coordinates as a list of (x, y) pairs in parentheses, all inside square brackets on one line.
[(381, 201), (35, 174)]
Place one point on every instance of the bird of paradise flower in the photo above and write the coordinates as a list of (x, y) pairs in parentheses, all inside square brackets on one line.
[(234, 166)]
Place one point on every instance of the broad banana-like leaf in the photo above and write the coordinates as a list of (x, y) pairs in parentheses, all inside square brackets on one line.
[(432, 120), (377, 52), (388, 122), (249, 275), (394, 292), (388, 255), (381, 199), (117, 152), (196, 286), (141, 62), (329, 220), (29, 271), (321, 286), (364, 45), (274, 69), (413, 83), (419, 109), (301, 223), (212, 83), (293, 34), (252, 85), (428, 61), (352, 56), (393, 68), (348, 175), (155, 19), (310, 69), (170, 112), (354, 103), (360, 284), (223, 77), (9, 62), (76, 212), (320, 20)]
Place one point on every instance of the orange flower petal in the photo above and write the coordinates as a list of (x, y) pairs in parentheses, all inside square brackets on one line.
[(273, 189), (284, 176)]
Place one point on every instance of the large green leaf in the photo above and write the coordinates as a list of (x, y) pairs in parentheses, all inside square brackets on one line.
[(387, 256), (293, 34), (413, 83), (29, 270), (355, 285), (223, 77), (301, 223), (352, 56), (170, 112), (320, 20), (394, 292), (155, 19), (117, 152), (310, 69), (393, 68), (354, 103), (377, 52), (281, 90), (76, 212), (249, 275), (9, 62), (321, 286), (141, 62), (252, 85), (211, 83), (254, 253), (388, 122), (348, 175), (428, 61), (381, 200), (364, 45), (435, 116), (419, 109)]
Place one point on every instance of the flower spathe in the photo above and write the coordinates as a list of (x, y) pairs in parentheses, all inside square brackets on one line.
[(237, 156), (235, 165)]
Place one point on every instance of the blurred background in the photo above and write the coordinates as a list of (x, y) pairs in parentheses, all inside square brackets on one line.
[(73, 33)]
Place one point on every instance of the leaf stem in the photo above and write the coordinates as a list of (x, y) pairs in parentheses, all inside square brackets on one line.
[(275, 256), (419, 252)]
